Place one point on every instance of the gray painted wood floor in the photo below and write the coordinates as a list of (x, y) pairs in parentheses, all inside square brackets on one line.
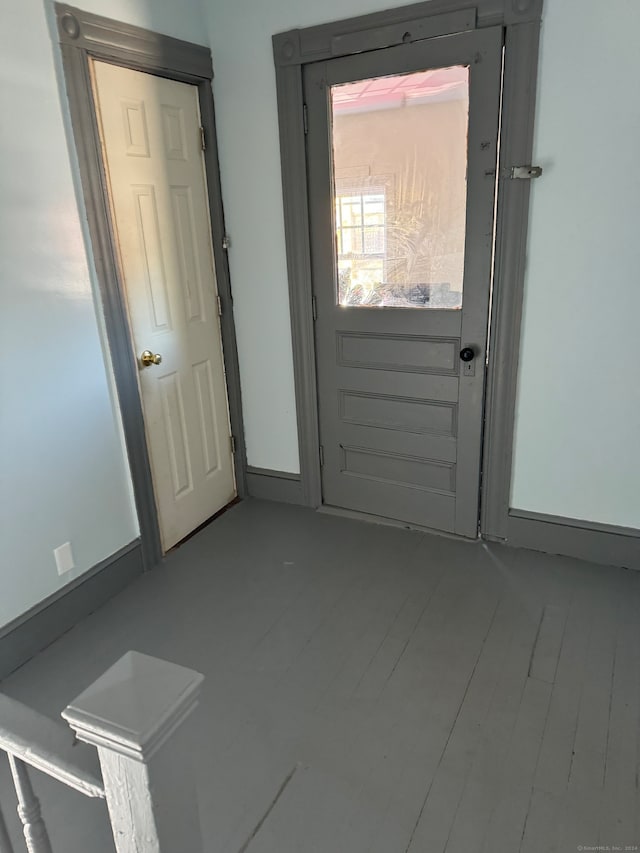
[(375, 689)]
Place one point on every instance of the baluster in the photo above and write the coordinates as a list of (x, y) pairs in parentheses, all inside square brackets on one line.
[(5, 843), (35, 832)]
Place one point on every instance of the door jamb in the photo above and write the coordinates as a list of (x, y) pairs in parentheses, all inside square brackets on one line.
[(82, 36), (292, 50)]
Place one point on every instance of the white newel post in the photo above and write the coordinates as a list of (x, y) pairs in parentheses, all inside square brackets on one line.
[(134, 715)]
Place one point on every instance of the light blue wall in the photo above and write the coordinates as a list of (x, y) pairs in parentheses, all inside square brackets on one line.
[(579, 408), (182, 19), (63, 470), (577, 450), (245, 95)]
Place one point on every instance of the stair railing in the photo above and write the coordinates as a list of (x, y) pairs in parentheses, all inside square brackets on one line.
[(133, 715)]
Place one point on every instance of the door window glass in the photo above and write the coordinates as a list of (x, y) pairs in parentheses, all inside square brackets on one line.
[(400, 194)]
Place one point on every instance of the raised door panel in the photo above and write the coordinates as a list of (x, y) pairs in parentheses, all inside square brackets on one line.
[(402, 153), (150, 130)]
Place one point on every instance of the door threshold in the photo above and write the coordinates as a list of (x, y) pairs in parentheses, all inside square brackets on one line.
[(204, 524), (341, 512)]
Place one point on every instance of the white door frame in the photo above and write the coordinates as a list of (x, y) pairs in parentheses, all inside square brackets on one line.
[(292, 50), (83, 36)]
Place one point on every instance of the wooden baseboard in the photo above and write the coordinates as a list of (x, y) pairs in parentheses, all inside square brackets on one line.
[(27, 635), (271, 485), (596, 543)]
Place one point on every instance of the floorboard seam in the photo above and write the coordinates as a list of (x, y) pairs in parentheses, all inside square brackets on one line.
[(535, 642), (271, 807), (613, 674), (452, 729), (413, 630), (381, 644), (526, 820)]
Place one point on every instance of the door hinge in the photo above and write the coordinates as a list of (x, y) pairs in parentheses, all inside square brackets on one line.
[(232, 439), (203, 139), (219, 306), (226, 242), (525, 173), (314, 308), (305, 119), (321, 454)]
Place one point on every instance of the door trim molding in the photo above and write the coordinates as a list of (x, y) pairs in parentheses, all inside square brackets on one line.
[(606, 544), (83, 36), (516, 146), (294, 49)]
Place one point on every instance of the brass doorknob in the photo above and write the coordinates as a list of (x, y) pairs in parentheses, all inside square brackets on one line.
[(148, 358)]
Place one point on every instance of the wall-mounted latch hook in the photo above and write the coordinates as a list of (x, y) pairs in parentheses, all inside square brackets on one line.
[(525, 173)]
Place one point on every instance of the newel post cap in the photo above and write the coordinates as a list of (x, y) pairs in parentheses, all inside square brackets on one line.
[(135, 706)]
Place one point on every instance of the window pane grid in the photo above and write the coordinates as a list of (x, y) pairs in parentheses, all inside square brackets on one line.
[(360, 224)]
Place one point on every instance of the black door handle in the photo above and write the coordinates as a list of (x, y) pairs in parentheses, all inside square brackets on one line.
[(467, 354)]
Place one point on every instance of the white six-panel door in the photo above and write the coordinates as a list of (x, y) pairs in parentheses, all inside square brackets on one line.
[(150, 131)]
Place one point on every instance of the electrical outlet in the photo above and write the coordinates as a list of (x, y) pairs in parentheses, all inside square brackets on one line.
[(64, 558)]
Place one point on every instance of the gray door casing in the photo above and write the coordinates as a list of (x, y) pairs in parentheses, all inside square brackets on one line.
[(400, 415), (293, 51), (83, 36)]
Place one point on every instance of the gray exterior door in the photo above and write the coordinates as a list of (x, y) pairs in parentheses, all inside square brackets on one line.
[(402, 152)]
